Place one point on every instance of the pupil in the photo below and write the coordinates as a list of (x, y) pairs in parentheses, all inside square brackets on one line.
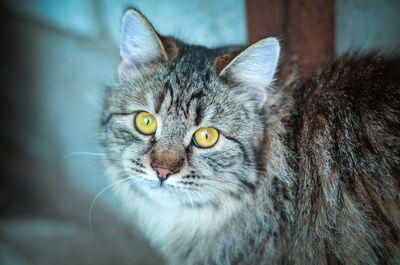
[(147, 121), (206, 135)]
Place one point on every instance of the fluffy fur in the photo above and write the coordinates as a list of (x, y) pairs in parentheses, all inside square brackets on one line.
[(301, 174)]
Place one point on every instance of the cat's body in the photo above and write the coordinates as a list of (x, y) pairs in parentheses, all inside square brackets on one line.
[(349, 149), (300, 174)]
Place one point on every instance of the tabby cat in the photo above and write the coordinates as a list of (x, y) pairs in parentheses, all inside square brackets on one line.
[(224, 159)]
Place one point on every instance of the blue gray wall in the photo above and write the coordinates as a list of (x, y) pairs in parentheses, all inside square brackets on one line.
[(364, 25)]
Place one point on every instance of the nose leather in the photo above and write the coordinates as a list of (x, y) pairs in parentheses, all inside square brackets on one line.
[(163, 173)]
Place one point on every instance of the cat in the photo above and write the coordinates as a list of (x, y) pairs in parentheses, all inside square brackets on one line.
[(224, 157)]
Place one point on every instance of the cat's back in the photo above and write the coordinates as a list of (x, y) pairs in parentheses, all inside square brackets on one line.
[(370, 82), (356, 98), (349, 149)]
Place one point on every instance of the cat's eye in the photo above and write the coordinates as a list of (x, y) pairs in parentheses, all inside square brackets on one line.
[(145, 123), (205, 137)]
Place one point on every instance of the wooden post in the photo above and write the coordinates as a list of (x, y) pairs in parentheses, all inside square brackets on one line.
[(306, 28)]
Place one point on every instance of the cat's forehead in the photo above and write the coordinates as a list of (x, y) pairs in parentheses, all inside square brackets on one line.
[(193, 68), (191, 74), (187, 82)]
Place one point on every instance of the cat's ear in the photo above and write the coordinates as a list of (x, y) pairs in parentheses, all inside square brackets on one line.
[(252, 69), (140, 43)]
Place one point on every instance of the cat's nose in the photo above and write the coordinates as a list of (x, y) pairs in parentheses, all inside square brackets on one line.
[(162, 173)]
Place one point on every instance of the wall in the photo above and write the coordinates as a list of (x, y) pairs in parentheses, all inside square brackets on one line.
[(367, 25)]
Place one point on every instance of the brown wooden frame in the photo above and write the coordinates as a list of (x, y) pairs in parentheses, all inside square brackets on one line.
[(306, 28)]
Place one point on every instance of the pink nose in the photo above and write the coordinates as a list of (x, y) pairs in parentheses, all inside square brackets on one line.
[(163, 173)]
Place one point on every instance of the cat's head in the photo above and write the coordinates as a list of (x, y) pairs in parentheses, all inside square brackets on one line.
[(185, 123)]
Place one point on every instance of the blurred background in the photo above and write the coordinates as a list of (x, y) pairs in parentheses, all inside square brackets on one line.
[(57, 59)]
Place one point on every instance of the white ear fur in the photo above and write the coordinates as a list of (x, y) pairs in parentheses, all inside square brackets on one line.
[(139, 41), (254, 68)]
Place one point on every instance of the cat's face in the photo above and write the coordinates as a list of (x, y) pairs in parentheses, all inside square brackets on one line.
[(184, 124)]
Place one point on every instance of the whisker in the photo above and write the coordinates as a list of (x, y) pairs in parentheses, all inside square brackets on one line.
[(227, 260), (81, 153), (226, 181), (97, 155), (194, 217), (97, 196)]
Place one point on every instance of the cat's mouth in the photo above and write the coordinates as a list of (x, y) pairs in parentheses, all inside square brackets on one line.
[(182, 190), (152, 183)]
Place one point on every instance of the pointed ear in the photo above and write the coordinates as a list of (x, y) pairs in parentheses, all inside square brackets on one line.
[(252, 69), (140, 43)]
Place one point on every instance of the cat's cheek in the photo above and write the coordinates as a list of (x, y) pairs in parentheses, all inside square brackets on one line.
[(176, 178), (150, 175)]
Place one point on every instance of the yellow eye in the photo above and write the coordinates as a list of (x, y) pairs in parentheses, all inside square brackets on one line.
[(205, 137), (145, 123)]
